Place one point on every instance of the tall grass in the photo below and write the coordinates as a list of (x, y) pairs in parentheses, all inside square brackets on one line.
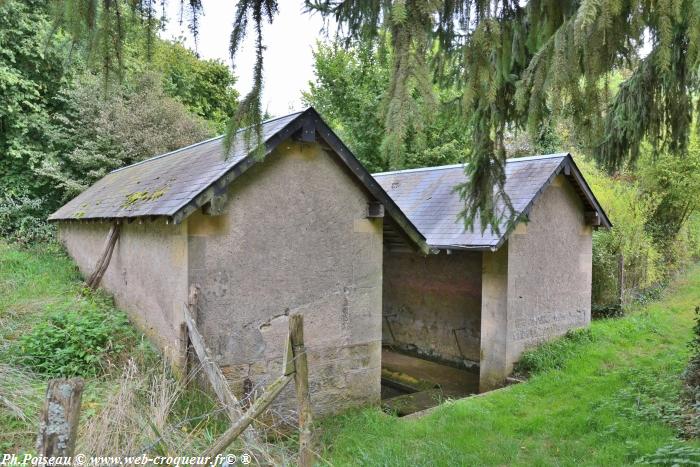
[(134, 404)]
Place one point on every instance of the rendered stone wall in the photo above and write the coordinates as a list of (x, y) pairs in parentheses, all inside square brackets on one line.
[(294, 238), (432, 305), (549, 271), (147, 273), (538, 285), (494, 320)]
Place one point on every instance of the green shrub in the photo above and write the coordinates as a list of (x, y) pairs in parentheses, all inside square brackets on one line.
[(80, 341), (613, 310), (673, 454), (23, 220), (691, 382), (629, 210), (553, 355)]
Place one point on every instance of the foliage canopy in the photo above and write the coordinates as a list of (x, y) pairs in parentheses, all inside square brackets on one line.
[(516, 65)]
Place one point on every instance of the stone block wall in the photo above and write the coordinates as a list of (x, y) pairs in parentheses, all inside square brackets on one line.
[(294, 238), (432, 305)]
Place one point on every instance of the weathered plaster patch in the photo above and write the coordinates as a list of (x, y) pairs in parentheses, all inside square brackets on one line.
[(520, 229), (365, 226), (200, 225)]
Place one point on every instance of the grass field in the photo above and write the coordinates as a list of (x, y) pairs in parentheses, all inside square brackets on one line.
[(612, 401), (605, 397)]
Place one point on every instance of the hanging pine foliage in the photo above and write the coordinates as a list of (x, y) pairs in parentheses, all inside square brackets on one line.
[(517, 65)]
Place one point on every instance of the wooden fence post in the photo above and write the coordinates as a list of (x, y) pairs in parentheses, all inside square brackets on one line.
[(59, 418), (294, 365), (188, 351), (301, 382), (620, 278), (258, 407), (194, 345)]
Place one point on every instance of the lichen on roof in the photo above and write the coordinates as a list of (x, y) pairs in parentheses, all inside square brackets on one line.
[(143, 196)]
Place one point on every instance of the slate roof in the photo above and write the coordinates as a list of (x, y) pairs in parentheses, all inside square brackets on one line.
[(428, 198), (174, 185), (161, 185), (421, 201)]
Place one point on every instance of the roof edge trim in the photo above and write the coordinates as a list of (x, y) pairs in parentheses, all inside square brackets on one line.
[(455, 166), (577, 176)]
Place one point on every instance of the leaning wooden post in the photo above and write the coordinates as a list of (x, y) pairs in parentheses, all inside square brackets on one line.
[(194, 344), (103, 261), (59, 418), (258, 407), (188, 351), (301, 382)]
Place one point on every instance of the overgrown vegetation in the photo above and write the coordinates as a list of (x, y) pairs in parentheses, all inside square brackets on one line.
[(77, 339), (51, 324), (133, 403), (23, 220), (554, 355), (63, 125), (633, 200), (691, 381)]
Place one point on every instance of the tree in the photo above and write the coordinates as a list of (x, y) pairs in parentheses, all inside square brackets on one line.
[(674, 183), (515, 64), (99, 132), (348, 93), (32, 72), (204, 86)]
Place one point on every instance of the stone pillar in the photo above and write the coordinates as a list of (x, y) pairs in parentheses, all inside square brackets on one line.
[(494, 320)]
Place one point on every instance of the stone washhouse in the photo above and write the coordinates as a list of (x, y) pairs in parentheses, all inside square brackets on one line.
[(397, 297)]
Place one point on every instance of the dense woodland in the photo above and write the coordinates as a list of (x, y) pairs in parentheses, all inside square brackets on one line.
[(64, 123)]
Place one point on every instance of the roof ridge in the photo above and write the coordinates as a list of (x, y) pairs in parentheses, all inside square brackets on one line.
[(419, 169), (170, 153), (454, 166), (541, 156)]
